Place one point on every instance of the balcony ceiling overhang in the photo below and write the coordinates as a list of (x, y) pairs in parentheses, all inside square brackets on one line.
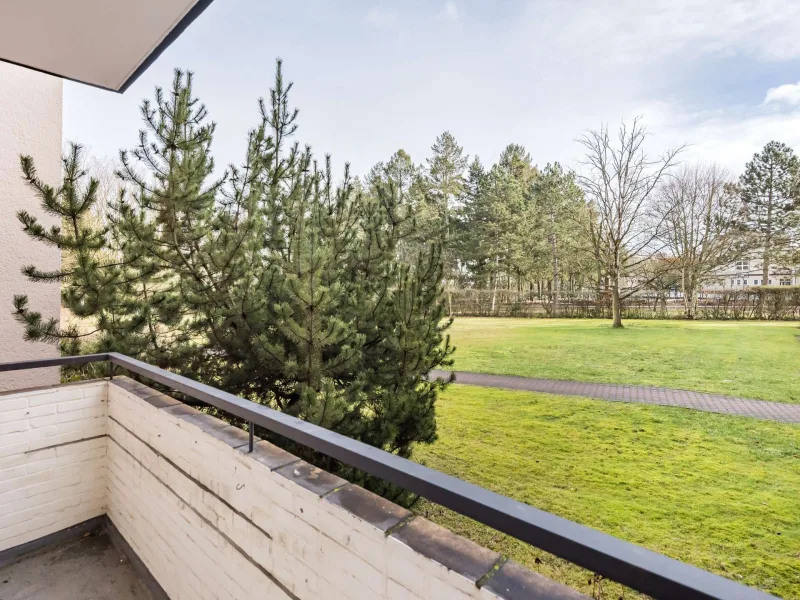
[(104, 43)]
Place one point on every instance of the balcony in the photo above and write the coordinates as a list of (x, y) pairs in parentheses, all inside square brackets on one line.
[(112, 489)]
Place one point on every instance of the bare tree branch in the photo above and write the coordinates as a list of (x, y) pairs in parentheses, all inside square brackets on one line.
[(619, 182)]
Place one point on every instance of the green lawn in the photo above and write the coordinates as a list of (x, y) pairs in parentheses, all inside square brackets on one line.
[(751, 359), (716, 491)]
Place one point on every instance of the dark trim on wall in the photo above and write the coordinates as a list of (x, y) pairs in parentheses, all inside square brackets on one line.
[(187, 475), (171, 36), (122, 546), (278, 583), (45, 72), (70, 534), (96, 526)]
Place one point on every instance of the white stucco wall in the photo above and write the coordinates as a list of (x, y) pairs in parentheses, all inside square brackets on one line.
[(30, 123)]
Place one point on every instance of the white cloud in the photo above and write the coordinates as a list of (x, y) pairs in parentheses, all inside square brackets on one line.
[(538, 78), (728, 137), (450, 11), (732, 141), (600, 62), (379, 17), (631, 31), (784, 94)]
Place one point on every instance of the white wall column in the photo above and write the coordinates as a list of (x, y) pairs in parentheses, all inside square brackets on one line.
[(30, 123)]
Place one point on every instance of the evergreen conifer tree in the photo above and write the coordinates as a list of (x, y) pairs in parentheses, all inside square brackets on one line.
[(770, 191), (474, 215), (402, 180), (445, 182), (268, 281), (557, 205)]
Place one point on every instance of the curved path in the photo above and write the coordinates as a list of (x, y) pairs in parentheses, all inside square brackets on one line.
[(728, 405)]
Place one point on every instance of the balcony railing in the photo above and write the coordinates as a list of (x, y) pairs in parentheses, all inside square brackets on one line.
[(643, 570)]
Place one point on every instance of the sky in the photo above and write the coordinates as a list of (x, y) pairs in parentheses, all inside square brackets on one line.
[(722, 76)]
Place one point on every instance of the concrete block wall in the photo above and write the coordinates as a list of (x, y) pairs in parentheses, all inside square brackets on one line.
[(212, 521), (52, 459)]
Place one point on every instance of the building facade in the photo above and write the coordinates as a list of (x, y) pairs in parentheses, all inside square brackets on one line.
[(747, 272), (30, 123)]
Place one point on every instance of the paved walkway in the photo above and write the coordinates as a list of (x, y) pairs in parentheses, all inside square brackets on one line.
[(729, 405)]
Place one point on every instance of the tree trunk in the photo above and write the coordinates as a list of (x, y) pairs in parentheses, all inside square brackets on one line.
[(599, 291), (766, 258), (616, 308), (684, 291), (555, 274), (689, 302), (616, 302), (495, 281), (689, 292)]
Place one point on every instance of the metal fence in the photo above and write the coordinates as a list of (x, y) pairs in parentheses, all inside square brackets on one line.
[(773, 303), (643, 570)]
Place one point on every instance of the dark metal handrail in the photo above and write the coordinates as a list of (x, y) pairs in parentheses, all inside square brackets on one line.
[(643, 570)]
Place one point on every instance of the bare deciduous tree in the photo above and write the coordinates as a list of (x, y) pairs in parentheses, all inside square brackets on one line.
[(620, 181), (701, 214)]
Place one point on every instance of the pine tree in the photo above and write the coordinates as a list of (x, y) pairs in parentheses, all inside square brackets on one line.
[(268, 281), (516, 160), (508, 195), (445, 182), (474, 215), (85, 286), (400, 171), (557, 204), (770, 192), (402, 180), (496, 221)]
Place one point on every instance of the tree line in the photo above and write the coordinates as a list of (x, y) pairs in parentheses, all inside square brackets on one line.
[(623, 221)]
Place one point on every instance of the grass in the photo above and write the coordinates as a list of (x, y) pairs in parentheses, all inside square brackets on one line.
[(751, 359), (716, 491)]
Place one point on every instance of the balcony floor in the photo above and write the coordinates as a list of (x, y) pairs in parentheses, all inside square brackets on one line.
[(87, 569)]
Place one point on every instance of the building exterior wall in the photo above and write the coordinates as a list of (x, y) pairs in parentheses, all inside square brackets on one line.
[(748, 272), (52, 459), (738, 275), (212, 521), (30, 123)]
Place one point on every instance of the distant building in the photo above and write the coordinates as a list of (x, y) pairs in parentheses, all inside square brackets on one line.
[(738, 275), (748, 273)]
